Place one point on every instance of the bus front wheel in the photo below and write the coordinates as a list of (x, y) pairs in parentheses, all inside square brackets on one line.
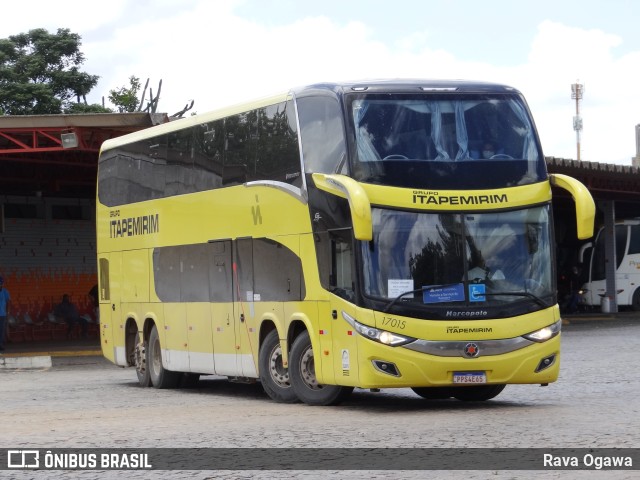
[(302, 375), (273, 375), (160, 376)]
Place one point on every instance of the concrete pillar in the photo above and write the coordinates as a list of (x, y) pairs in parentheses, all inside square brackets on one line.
[(608, 208)]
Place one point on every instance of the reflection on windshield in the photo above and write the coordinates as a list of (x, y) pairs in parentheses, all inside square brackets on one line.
[(461, 259), (430, 134)]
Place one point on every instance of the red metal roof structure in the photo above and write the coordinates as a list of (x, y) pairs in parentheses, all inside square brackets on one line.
[(57, 155)]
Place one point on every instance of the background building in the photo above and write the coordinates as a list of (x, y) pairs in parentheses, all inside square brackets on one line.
[(48, 167)]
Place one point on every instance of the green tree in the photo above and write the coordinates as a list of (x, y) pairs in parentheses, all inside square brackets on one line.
[(126, 98), (84, 108), (40, 73)]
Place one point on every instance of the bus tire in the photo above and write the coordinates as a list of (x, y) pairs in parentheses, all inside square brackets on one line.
[(302, 375), (273, 375), (635, 300), (140, 361), (478, 393), (433, 393), (160, 376)]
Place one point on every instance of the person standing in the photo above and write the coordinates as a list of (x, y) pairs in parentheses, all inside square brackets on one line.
[(95, 302), (5, 300)]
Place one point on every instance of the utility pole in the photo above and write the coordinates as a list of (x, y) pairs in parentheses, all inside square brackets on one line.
[(577, 91)]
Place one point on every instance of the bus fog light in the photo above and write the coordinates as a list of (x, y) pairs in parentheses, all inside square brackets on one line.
[(545, 333), (546, 363), (386, 367)]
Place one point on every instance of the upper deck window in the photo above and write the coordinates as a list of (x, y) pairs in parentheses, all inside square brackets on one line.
[(446, 141)]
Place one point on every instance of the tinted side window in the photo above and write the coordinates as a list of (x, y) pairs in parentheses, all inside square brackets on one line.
[(180, 176), (322, 133), (634, 241), (133, 173), (277, 272), (278, 156), (260, 144), (266, 271), (208, 148), (194, 275), (220, 268), (240, 148), (166, 273), (243, 270), (335, 261)]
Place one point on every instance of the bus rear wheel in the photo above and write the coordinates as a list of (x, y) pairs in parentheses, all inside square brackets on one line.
[(273, 375), (140, 361), (160, 376), (302, 375), (478, 393)]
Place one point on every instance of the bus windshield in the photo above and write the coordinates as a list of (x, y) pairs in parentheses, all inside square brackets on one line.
[(445, 141), (472, 259)]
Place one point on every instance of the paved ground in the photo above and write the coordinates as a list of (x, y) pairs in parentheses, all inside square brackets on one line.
[(84, 401)]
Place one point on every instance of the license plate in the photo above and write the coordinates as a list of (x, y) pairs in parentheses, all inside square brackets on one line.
[(469, 377)]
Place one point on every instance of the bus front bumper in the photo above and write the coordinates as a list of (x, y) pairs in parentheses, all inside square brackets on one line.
[(382, 366)]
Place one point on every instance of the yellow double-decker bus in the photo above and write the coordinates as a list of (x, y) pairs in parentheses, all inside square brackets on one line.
[(336, 236)]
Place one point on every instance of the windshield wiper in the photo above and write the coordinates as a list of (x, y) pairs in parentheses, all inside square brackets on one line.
[(421, 289), (533, 297)]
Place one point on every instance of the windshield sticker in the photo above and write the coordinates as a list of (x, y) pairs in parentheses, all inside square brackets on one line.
[(397, 287), (448, 293), (476, 292)]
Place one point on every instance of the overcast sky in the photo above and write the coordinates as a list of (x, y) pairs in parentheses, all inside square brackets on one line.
[(219, 52)]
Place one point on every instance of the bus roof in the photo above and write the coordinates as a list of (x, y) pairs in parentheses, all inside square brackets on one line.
[(409, 86), (339, 89)]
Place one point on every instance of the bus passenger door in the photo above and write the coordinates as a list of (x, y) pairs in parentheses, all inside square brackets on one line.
[(222, 317), (245, 308), (111, 327)]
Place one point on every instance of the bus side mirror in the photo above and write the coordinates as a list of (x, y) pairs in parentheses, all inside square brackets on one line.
[(347, 187), (585, 206), (583, 250)]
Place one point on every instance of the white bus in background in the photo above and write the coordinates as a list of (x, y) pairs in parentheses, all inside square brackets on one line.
[(627, 236)]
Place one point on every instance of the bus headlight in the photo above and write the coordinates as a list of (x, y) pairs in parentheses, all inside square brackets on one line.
[(545, 333), (377, 335)]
